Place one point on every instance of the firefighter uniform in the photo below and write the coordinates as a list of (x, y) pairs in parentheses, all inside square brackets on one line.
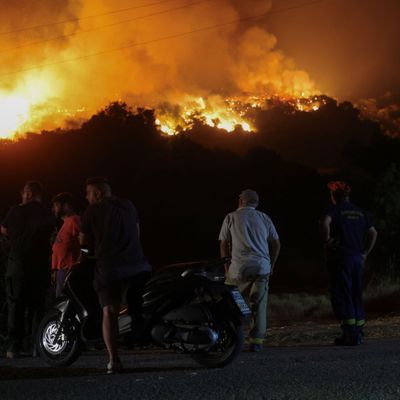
[(348, 227)]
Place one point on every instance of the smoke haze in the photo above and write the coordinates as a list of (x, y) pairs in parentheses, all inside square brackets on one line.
[(235, 59)]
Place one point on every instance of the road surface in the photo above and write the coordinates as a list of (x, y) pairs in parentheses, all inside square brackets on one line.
[(371, 371)]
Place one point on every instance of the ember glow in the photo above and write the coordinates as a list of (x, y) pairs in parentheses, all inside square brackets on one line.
[(195, 78)]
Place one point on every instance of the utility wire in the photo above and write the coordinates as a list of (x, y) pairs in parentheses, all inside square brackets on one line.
[(66, 21), (173, 36), (22, 46)]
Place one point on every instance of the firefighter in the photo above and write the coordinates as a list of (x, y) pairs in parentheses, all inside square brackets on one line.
[(349, 237)]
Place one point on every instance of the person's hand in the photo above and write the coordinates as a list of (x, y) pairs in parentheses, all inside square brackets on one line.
[(331, 245), (83, 255), (226, 267), (53, 278)]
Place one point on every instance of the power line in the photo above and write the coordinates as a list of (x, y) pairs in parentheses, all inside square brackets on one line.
[(66, 21), (182, 34), (102, 27)]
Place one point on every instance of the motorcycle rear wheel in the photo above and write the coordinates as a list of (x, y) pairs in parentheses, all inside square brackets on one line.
[(226, 350), (63, 351)]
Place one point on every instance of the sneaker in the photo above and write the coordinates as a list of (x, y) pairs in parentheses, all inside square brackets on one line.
[(256, 347), (114, 368)]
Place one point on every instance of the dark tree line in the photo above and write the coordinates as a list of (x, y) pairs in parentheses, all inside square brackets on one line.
[(183, 186)]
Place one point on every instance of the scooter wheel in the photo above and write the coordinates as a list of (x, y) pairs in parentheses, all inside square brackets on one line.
[(226, 350), (58, 344)]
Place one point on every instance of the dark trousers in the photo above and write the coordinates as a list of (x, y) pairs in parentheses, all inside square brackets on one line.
[(60, 279), (346, 282), (25, 301)]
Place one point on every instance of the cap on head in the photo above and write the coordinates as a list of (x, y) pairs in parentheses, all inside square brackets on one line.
[(249, 197), (339, 187), (339, 191)]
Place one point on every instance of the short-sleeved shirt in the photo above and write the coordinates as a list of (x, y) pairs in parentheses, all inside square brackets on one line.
[(249, 231), (66, 248), (29, 227), (349, 226), (113, 226)]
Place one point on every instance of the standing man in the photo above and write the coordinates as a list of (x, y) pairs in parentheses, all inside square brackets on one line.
[(28, 226), (250, 238), (66, 247), (349, 237), (111, 224)]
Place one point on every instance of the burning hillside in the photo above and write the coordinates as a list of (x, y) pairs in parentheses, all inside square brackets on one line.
[(226, 114), (187, 60)]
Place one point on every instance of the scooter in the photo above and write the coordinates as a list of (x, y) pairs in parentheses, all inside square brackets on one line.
[(186, 307)]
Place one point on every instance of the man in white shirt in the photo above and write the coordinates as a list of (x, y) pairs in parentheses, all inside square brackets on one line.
[(249, 237)]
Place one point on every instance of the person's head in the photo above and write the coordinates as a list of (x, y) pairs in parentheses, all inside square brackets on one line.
[(339, 191), (32, 191), (248, 198), (97, 189), (63, 205)]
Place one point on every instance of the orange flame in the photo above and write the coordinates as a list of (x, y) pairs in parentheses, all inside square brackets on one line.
[(179, 78)]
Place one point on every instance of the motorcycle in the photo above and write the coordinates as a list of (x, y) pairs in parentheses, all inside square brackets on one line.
[(186, 307)]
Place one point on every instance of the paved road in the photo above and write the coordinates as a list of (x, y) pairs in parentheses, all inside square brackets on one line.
[(371, 371)]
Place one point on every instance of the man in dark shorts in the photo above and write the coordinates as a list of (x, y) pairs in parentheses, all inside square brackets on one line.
[(28, 226), (111, 224), (349, 237)]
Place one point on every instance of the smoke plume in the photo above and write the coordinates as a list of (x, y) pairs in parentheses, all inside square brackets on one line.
[(239, 58)]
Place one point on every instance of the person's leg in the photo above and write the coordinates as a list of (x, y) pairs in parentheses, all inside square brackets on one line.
[(347, 312), (358, 277), (110, 300), (16, 315), (258, 303), (60, 279), (110, 331), (36, 310), (244, 288), (337, 286), (134, 295)]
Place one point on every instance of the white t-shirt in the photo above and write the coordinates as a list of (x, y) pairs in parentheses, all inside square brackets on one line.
[(249, 231)]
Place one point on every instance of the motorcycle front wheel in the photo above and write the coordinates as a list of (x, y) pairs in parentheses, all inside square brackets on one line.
[(58, 344), (228, 347)]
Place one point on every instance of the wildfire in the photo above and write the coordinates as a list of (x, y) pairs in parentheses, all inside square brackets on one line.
[(226, 114), (21, 109), (14, 112), (82, 60), (214, 111), (28, 108)]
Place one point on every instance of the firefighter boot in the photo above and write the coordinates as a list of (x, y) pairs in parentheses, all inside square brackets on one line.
[(348, 336), (360, 334)]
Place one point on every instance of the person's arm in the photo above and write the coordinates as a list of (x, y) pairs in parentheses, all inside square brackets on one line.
[(85, 234), (3, 230), (274, 249), (225, 251), (225, 245), (325, 226), (370, 241), (5, 221), (84, 239), (225, 248)]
